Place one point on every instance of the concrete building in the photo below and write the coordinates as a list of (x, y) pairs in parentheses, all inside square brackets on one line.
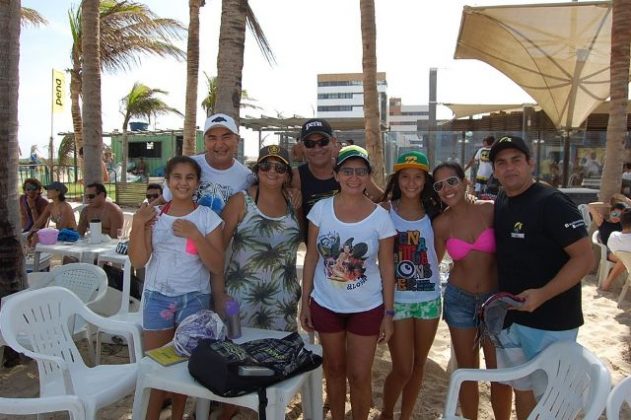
[(341, 95), (404, 122)]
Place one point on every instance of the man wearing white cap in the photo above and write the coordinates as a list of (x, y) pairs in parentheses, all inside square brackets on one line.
[(222, 174)]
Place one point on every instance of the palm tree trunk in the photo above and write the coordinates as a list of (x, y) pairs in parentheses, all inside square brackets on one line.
[(91, 81), (611, 180), (75, 106), (125, 153), (192, 77), (230, 57), (374, 144), (12, 275)]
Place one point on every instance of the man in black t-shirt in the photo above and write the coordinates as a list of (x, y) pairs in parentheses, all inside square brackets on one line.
[(543, 252)]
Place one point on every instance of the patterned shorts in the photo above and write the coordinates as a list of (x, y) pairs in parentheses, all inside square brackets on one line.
[(419, 310)]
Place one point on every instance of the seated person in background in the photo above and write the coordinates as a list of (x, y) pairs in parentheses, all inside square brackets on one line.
[(32, 204), (140, 168), (607, 219), (154, 193), (619, 241), (97, 207), (58, 210), (626, 179)]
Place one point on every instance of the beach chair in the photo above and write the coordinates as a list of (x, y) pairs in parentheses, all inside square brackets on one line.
[(604, 265), (584, 209), (24, 406), (578, 383), (42, 317), (620, 394), (625, 257)]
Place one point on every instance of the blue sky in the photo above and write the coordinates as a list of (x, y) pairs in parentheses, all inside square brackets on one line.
[(308, 37)]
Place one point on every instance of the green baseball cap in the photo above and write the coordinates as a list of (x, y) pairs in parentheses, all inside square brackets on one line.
[(412, 159), (351, 152)]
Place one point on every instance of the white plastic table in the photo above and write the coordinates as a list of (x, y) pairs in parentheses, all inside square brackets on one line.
[(175, 378), (81, 249)]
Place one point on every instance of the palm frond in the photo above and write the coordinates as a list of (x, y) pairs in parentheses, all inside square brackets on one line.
[(66, 150), (32, 17), (259, 35), (141, 102)]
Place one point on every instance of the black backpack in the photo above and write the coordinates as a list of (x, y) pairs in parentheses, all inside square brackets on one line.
[(229, 369)]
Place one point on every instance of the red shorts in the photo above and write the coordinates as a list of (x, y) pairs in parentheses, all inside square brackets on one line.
[(359, 323)]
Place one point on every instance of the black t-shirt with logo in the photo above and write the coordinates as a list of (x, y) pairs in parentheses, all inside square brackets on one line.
[(531, 231), (313, 190)]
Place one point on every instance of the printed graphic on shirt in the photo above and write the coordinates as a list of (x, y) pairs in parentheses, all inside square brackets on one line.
[(484, 155), (413, 270), (345, 263), (212, 195)]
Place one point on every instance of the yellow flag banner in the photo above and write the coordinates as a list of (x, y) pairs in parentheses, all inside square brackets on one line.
[(59, 89)]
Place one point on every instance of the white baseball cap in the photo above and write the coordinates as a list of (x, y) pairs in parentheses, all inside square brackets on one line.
[(221, 120)]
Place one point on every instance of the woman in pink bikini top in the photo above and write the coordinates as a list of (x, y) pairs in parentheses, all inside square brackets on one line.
[(465, 231)]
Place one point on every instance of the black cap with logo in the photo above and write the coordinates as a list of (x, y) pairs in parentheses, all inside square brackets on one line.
[(316, 125), (508, 142)]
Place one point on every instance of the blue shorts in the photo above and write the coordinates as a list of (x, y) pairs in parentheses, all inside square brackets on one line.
[(518, 344), (461, 307), (160, 312)]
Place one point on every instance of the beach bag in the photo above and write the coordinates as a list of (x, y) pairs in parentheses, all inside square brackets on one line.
[(492, 314), (229, 369)]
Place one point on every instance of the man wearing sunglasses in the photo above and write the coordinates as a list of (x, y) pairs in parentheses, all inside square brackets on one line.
[(153, 194), (315, 178), (97, 207), (543, 252), (222, 174)]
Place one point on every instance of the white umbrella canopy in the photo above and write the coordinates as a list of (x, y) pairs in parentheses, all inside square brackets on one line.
[(558, 53)]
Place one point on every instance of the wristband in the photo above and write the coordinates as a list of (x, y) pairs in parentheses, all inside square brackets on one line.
[(389, 312)]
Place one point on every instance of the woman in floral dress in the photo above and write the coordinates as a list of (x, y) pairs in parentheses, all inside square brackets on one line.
[(262, 231)]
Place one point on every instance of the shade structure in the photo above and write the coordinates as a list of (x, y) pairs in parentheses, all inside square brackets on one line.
[(558, 53)]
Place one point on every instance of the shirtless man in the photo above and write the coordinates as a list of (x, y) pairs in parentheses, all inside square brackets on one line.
[(110, 215)]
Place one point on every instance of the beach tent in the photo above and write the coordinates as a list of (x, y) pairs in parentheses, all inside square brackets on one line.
[(558, 53)]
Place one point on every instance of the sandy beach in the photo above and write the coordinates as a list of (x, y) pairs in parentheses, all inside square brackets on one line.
[(606, 333)]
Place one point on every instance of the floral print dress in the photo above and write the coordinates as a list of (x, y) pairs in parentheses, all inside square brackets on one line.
[(261, 272)]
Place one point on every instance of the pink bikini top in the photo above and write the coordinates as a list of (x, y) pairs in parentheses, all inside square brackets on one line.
[(458, 249)]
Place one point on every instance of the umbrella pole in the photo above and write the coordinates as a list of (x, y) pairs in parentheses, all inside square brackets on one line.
[(566, 157)]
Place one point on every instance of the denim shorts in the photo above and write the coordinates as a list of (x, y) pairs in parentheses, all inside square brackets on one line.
[(418, 310), (519, 344), (461, 307), (160, 312)]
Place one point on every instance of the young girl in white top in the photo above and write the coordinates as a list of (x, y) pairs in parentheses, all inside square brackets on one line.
[(180, 243), (347, 297), (412, 204)]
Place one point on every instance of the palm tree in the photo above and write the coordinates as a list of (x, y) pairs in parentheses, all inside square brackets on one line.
[(208, 104), (619, 91), (192, 73), (234, 15), (127, 29), (141, 102), (92, 126), (374, 144), (12, 275)]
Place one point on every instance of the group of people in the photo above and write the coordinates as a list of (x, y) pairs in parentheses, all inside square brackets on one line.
[(371, 271)]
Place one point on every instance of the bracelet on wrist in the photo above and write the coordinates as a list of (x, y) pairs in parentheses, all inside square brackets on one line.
[(389, 312)]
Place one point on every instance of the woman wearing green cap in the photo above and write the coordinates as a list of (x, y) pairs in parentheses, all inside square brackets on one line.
[(347, 297), (412, 204)]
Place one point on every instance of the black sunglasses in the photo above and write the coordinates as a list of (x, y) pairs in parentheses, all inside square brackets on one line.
[(310, 144), (90, 196), (280, 168), (152, 196), (31, 188)]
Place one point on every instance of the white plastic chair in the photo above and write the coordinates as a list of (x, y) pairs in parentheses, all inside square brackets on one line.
[(577, 382), (42, 316), (584, 209), (604, 265), (132, 318), (24, 406), (87, 281), (620, 394), (625, 257)]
